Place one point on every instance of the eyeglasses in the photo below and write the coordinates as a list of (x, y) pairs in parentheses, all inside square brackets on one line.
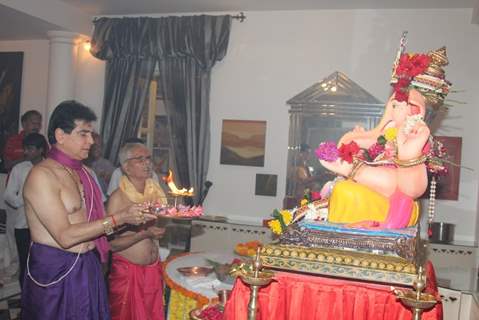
[(141, 159)]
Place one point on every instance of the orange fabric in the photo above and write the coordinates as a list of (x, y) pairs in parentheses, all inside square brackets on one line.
[(136, 291), (303, 297)]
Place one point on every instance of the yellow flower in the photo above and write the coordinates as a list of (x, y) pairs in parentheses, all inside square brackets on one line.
[(303, 202), (275, 226), (390, 134), (287, 217)]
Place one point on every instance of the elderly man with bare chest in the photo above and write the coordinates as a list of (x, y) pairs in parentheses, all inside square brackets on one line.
[(68, 225), (136, 286)]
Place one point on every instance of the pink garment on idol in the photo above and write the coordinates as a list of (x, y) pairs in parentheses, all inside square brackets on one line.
[(400, 210)]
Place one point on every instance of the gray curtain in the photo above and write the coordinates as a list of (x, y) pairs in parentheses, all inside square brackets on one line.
[(129, 71), (126, 94), (186, 49), (186, 88)]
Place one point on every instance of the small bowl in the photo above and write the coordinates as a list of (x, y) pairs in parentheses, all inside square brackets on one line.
[(195, 271)]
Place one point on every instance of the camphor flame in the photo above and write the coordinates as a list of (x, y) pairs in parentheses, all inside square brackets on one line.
[(174, 189)]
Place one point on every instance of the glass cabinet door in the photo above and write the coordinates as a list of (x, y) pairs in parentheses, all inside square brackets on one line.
[(318, 115)]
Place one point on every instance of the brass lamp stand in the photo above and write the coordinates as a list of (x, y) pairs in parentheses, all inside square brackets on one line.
[(415, 299), (256, 279)]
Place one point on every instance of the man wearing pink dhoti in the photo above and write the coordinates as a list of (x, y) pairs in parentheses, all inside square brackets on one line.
[(136, 285)]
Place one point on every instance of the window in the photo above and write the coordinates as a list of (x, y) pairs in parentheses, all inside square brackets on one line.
[(154, 130)]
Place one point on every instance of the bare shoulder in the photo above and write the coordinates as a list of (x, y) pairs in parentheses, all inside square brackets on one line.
[(42, 175), (117, 201)]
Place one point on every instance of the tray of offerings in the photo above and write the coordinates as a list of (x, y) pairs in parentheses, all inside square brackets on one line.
[(181, 212)]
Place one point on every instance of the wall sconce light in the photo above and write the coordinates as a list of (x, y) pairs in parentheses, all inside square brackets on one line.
[(87, 45)]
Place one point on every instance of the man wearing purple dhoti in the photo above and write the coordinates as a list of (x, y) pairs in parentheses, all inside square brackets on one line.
[(68, 225)]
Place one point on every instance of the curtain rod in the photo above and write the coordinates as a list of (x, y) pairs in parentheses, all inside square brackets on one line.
[(240, 16)]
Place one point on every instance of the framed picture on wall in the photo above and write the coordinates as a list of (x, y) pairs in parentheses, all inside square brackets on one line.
[(266, 185), (11, 66), (448, 185), (243, 142)]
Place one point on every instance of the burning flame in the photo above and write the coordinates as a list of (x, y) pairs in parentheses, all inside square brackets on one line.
[(174, 189)]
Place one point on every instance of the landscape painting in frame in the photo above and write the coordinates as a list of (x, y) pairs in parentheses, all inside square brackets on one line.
[(243, 142), (11, 65)]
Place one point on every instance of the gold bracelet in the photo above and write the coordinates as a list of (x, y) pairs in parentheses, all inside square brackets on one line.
[(108, 226), (410, 163), (357, 164)]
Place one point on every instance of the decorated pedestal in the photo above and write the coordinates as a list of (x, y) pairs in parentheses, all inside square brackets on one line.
[(338, 263)]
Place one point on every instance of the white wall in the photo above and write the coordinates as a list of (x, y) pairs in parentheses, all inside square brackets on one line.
[(34, 75), (89, 81), (274, 55)]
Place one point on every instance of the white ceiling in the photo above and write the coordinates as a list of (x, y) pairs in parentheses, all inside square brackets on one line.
[(17, 22), (16, 25)]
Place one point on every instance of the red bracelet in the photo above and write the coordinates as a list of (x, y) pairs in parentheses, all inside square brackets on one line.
[(113, 220)]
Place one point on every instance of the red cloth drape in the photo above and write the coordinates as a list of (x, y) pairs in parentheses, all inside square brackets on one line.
[(305, 297)]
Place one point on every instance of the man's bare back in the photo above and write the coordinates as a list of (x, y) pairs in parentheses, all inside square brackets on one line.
[(54, 192), (143, 252)]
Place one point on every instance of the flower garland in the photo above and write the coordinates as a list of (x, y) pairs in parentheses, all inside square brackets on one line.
[(282, 219), (409, 66), (385, 147), (349, 152)]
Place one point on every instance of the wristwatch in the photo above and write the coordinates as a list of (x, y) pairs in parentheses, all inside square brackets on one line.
[(108, 226)]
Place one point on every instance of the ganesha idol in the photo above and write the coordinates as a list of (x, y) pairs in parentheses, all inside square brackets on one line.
[(386, 168)]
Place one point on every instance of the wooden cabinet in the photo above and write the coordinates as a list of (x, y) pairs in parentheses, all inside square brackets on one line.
[(456, 268), (451, 303)]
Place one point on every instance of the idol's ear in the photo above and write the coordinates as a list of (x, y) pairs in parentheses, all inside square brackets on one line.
[(417, 103)]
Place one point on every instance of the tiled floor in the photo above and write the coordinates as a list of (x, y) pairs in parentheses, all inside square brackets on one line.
[(9, 298), (10, 308)]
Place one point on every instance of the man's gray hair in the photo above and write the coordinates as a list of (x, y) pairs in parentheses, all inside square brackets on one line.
[(125, 151)]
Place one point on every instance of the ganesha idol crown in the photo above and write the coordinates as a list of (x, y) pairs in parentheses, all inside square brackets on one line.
[(423, 72)]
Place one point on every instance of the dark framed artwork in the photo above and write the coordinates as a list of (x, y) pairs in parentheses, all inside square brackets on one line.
[(266, 184), (243, 142), (11, 66), (447, 187)]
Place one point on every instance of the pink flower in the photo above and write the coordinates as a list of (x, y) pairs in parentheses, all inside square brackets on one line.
[(375, 150), (327, 151)]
